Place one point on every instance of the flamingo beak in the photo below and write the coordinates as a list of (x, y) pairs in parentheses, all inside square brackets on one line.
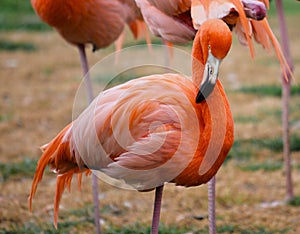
[(210, 77)]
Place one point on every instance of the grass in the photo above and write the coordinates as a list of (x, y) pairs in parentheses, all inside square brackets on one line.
[(14, 46), (138, 228), (19, 15), (274, 144), (245, 119), (142, 229), (256, 230), (239, 152), (47, 228), (268, 90), (244, 150), (290, 7), (295, 201), (22, 168), (267, 166)]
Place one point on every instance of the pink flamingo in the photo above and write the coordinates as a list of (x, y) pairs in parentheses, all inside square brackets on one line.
[(96, 22), (188, 15), (153, 142)]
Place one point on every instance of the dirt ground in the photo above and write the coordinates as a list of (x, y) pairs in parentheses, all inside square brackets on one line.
[(37, 90)]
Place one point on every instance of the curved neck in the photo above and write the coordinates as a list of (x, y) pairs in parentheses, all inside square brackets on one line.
[(198, 59)]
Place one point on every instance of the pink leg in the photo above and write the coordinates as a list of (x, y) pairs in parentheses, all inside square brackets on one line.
[(212, 205), (286, 86), (89, 90), (86, 74), (156, 210)]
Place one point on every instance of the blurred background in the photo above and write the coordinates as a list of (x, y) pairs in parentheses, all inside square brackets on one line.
[(39, 77)]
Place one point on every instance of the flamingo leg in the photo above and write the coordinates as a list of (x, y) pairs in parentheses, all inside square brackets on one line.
[(168, 52), (86, 74), (89, 91), (157, 208), (286, 87), (212, 205)]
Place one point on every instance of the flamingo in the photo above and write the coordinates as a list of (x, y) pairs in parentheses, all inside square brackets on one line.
[(141, 132), (245, 17), (182, 14), (99, 23)]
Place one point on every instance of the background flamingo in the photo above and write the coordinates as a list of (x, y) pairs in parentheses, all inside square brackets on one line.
[(99, 23), (157, 112)]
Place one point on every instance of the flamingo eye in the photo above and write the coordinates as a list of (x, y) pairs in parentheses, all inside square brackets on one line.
[(211, 70)]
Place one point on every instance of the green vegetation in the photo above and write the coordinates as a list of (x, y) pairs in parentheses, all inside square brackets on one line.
[(81, 221), (254, 230), (245, 119), (74, 227), (273, 144), (240, 151), (142, 229), (47, 228), (295, 201), (244, 150), (265, 166), (13, 46), (291, 7), (268, 90), (19, 15), (23, 168)]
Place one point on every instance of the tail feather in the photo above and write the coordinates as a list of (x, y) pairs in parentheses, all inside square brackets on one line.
[(245, 25), (58, 156), (61, 182), (139, 29), (264, 35)]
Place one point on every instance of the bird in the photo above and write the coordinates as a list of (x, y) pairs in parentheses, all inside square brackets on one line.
[(80, 22), (185, 16), (245, 17), (96, 22), (151, 130)]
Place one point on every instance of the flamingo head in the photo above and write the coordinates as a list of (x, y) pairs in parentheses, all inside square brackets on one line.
[(215, 39)]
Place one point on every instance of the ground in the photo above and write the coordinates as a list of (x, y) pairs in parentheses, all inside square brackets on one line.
[(39, 80)]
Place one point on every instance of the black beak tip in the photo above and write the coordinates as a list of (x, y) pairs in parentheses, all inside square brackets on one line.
[(200, 97)]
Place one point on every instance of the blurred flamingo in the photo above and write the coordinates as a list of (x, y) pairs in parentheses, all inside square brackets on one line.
[(99, 23), (245, 17), (141, 131), (181, 14)]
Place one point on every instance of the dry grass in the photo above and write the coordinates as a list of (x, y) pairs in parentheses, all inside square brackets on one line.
[(37, 91)]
